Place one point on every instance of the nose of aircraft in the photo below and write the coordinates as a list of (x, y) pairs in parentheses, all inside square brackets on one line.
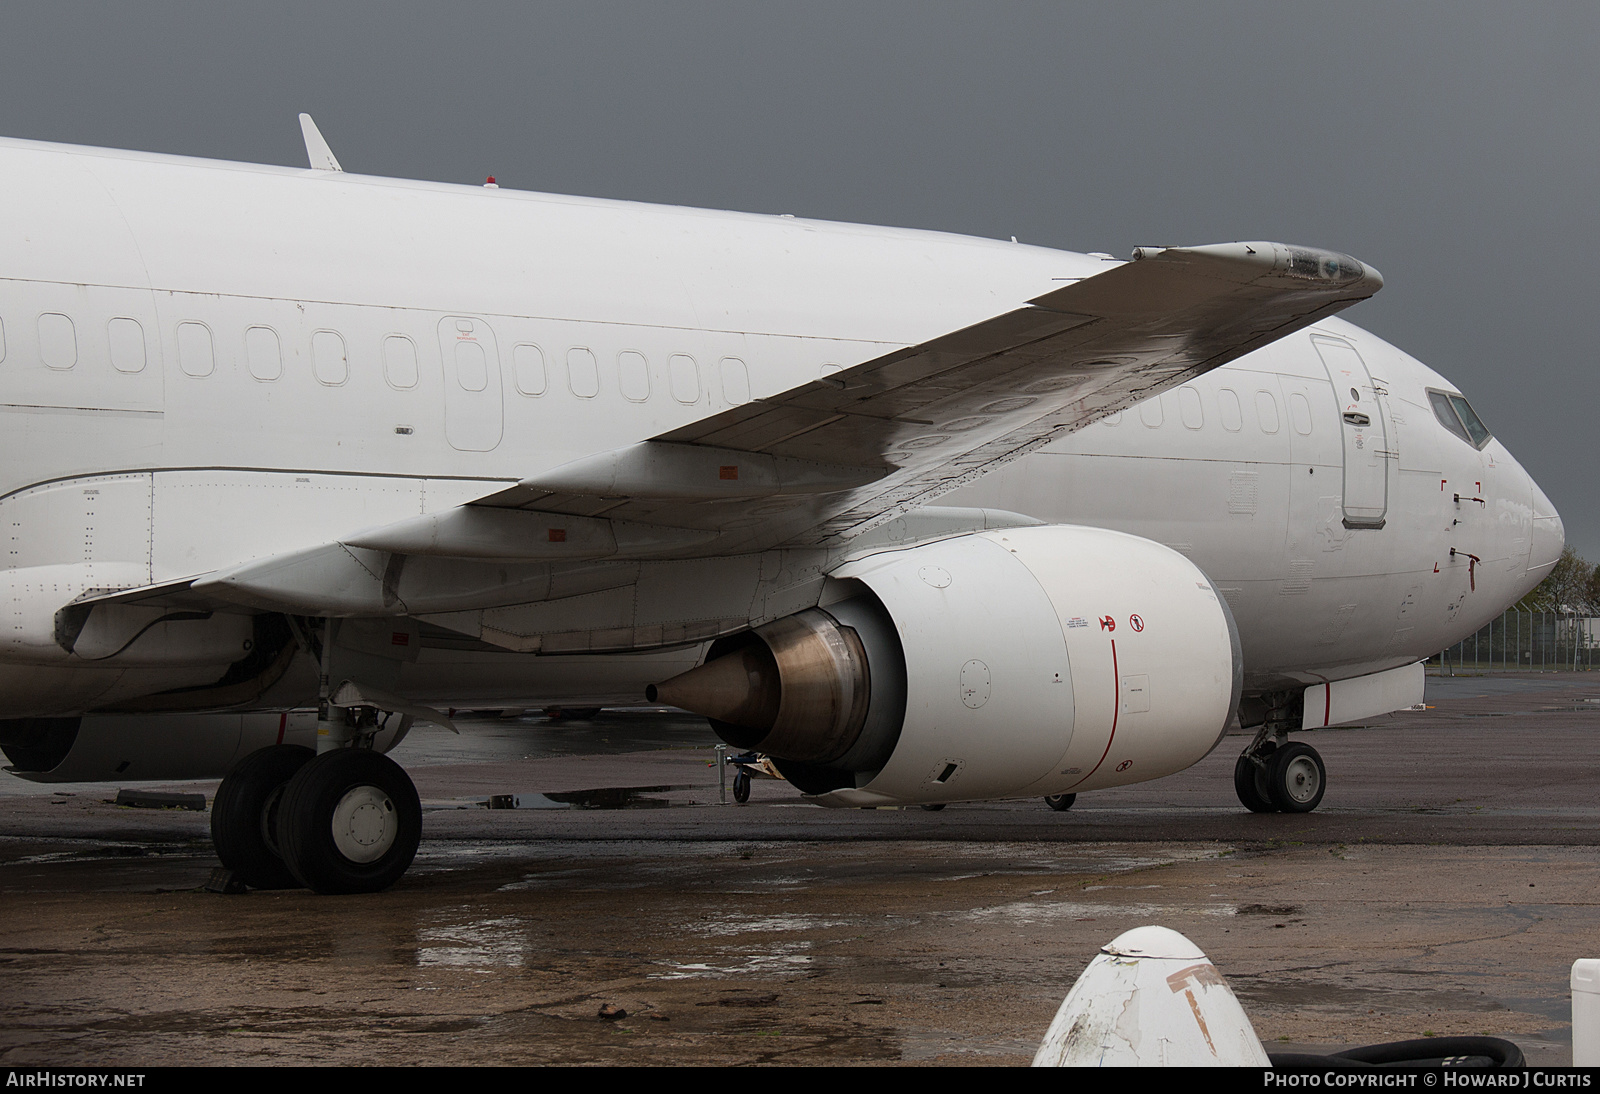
[(1549, 536)]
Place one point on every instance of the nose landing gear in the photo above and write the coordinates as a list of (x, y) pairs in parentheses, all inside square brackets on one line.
[(1275, 776), (1280, 780), (1295, 778)]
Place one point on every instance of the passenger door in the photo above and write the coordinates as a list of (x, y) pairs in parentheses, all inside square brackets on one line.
[(1365, 431)]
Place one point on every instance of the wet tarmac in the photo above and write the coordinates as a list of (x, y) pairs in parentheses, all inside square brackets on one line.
[(1444, 886)]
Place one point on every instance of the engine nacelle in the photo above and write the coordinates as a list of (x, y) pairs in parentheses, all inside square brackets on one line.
[(1005, 664)]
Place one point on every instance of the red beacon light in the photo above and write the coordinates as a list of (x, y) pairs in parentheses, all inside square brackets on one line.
[(490, 184)]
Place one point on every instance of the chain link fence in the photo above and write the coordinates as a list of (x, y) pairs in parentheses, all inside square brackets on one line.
[(1523, 641)]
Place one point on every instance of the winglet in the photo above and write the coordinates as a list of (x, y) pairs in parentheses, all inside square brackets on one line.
[(317, 150)]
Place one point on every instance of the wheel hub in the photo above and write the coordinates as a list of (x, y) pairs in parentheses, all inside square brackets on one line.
[(1301, 779), (364, 824)]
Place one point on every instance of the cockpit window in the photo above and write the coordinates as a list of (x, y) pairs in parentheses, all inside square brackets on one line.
[(1457, 415), (1470, 419)]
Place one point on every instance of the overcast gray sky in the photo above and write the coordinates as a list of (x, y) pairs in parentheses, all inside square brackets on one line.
[(1452, 145)]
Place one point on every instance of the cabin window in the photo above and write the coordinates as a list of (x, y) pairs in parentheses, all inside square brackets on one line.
[(527, 361), (684, 377), (1267, 411), (400, 362), (329, 362), (735, 381), (126, 340), (196, 357), (263, 355), (1151, 413), (583, 374), (1228, 409), (472, 366), (58, 341), (1300, 413), (1189, 407), (633, 374), (1114, 418)]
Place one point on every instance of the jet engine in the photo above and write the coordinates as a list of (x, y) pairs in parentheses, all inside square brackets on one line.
[(1029, 661)]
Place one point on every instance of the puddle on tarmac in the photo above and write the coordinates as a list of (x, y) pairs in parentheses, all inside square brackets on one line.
[(496, 943), (1041, 911), (603, 797), (732, 924), (770, 958), (777, 960)]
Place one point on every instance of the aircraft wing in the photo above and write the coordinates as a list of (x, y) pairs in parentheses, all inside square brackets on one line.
[(833, 458), (846, 452)]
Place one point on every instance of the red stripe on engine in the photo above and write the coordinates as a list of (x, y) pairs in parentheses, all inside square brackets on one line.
[(1116, 708)]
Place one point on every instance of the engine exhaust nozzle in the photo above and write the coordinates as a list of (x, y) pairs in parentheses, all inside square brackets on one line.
[(798, 689)]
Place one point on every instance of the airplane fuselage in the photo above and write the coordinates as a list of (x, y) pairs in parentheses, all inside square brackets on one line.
[(206, 363)]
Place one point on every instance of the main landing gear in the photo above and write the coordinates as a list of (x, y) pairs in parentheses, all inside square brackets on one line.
[(344, 821)]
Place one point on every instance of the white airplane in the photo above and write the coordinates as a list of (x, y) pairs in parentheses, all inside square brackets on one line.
[(295, 456)]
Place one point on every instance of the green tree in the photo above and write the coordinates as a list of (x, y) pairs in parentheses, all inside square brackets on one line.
[(1573, 585)]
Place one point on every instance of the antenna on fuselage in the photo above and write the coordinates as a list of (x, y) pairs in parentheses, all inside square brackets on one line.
[(317, 150)]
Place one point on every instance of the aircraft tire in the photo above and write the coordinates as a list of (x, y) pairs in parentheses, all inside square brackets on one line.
[(244, 815), (1250, 780), (350, 822), (1296, 778), (1060, 802), (741, 787), (934, 807)]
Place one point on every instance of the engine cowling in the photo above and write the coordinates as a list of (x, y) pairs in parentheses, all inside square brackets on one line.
[(1022, 662)]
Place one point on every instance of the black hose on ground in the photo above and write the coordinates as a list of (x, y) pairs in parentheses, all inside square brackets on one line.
[(1483, 1052)]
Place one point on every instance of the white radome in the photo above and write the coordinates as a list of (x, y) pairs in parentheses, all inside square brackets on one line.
[(1151, 998)]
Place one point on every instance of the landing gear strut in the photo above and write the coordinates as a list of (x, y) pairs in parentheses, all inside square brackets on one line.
[(1274, 776)]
